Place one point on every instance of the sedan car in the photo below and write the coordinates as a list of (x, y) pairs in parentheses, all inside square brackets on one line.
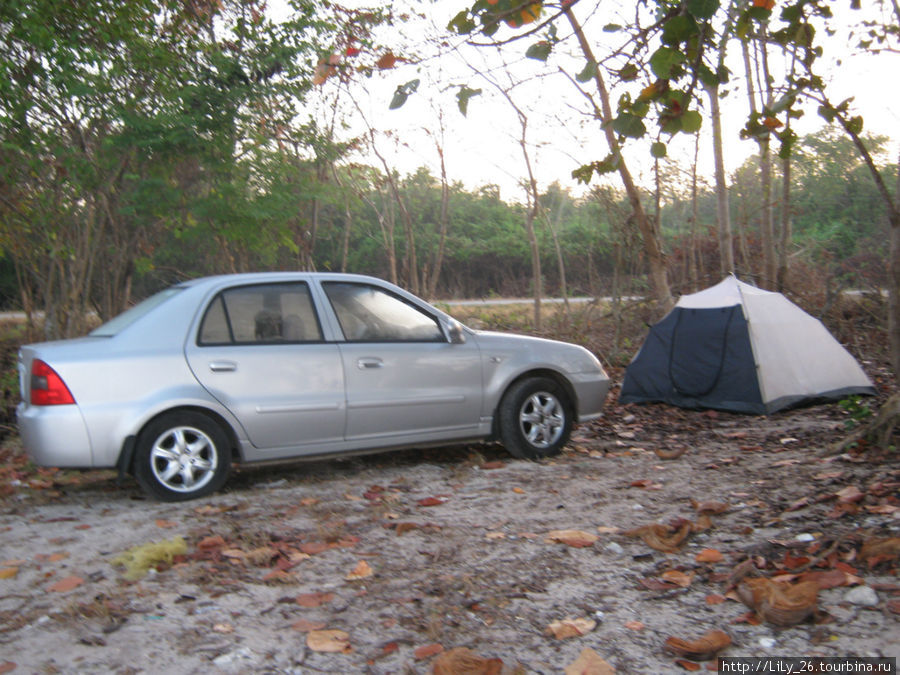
[(279, 365)]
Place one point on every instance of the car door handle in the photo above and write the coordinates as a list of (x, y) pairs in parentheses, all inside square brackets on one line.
[(369, 362), (222, 366)]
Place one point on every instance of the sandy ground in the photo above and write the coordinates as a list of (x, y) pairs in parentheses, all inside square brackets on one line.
[(411, 553)]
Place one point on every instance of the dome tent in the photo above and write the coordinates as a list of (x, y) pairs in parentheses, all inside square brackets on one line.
[(738, 348)]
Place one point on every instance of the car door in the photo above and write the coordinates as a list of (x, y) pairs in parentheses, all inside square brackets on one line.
[(260, 351), (404, 381)]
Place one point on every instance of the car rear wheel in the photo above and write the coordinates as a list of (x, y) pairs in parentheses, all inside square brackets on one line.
[(181, 456), (535, 418)]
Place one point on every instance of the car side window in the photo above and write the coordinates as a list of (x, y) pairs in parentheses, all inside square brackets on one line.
[(261, 314), (370, 314)]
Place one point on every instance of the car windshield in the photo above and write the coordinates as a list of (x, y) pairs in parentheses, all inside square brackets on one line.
[(129, 316)]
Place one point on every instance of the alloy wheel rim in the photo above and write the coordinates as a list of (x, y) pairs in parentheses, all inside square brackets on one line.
[(542, 419), (184, 459)]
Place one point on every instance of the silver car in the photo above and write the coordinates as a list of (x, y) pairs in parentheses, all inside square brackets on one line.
[(271, 366)]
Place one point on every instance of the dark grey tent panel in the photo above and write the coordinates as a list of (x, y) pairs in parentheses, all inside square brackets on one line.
[(696, 358)]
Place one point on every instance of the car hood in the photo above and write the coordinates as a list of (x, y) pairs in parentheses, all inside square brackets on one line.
[(566, 356)]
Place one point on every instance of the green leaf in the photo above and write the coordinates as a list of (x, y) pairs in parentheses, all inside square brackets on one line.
[(855, 125), (703, 9), (628, 72), (629, 125), (588, 72), (463, 96), (691, 121), (539, 51), (665, 61), (461, 23), (679, 29), (658, 150), (612, 28), (402, 93)]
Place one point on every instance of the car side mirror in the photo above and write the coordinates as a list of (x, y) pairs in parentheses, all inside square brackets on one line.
[(455, 332)]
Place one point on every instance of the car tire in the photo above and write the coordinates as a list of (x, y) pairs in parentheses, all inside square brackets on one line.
[(535, 418), (181, 456)]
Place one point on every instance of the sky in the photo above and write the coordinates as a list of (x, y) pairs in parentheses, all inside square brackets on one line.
[(482, 148)]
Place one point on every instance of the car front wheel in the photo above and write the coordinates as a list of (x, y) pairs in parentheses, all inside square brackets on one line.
[(182, 456), (535, 418)]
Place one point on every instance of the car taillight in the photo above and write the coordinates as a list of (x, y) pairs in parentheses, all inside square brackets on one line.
[(47, 388)]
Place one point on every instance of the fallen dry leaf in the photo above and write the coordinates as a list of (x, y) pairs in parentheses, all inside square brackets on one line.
[(709, 555), (702, 649), (67, 584), (661, 537), (463, 661), (573, 538), (849, 494), (678, 578), (362, 571), (670, 453), (8, 666), (160, 522), (8, 572), (710, 508), (427, 651), (635, 625), (568, 628), (589, 662), (305, 625), (332, 641), (312, 600), (715, 599), (780, 603), (431, 501), (876, 550)]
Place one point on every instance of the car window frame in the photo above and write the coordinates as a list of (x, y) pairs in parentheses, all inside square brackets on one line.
[(440, 337), (219, 297)]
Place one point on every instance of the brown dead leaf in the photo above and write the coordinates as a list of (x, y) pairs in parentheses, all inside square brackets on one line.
[(715, 599), (710, 508), (661, 537), (635, 625), (312, 600), (386, 61), (332, 641), (463, 661), (678, 578), (362, 571), (687, 665), (210, 543), (8, 666), (670, 453), (709, 555), (431, 501), (849, 495), (305, 625), (568, 628), (160, 522), (780, 603), (8, 572), (66, 585), (573, 538), (589, 662), (876, 550), (702, 649), (308, 501), (427, 651)]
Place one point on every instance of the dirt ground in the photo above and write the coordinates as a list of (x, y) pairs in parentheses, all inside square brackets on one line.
[(378, 564)]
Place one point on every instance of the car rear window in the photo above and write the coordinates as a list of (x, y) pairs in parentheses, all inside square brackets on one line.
[(117, 324), (261, 314)]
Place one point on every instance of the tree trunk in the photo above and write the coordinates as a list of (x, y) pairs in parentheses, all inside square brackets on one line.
[(656, 259), (723, 212), (786, 227)]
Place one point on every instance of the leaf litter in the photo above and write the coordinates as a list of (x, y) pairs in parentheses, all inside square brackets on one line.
[(626, 553)]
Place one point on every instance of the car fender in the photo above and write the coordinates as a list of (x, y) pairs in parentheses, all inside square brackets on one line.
[(128, 420)]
